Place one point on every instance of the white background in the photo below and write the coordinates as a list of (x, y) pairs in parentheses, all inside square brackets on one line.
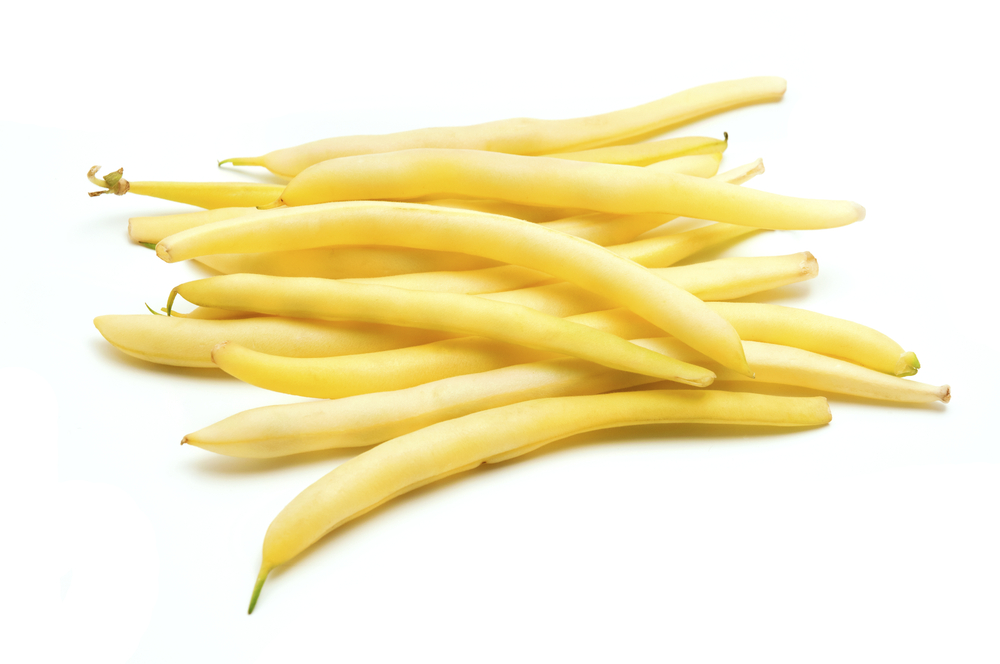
[(873, 539)]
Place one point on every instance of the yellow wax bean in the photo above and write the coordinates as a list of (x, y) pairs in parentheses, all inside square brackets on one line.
[(210, 195), (372, 418), (155, 228), (171, 341), (784, 365), (535, 137), (500, 238), (459, 314), (219, 195), (642, 154), (544, 181), (345, 262), (819, 333), (369, 419), (446, 448), (188, 342), (346, 375)]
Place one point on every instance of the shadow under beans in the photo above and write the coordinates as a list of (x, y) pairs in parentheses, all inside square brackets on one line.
[(210, 463)]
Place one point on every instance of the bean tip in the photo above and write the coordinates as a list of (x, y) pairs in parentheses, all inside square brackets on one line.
[(945, 393), (859, 212)]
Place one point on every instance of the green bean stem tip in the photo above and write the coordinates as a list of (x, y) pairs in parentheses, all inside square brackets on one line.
[(243, 161), (261, 578), (170, 301), (113, 182)]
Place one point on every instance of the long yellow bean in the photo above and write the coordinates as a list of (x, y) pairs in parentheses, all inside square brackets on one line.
[(559, 183), (209, 195), (216, 195), (155, 228), (188, 342), (501, 238), (346, 375), (173, 341), (643, 154), (369, 419), (819, 333), (784, 365), (459, 314), (536, 137), (416, 459)]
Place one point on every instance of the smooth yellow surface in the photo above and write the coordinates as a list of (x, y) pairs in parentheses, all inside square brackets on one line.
[(173, 341), (643, 154), (155, 228), (369, 419), (432, 453), (188, 342), (460, 314), (784, 365), (372, 418), (534, 137), (210, 195), (819, 333), (543, 181), (346, 375), (362, 262), (505, 239)]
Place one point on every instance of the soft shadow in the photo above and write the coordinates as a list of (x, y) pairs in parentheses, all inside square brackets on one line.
[(111, 354), (210, 463), (797, 291)]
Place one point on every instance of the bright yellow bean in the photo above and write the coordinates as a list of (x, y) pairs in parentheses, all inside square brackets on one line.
[(643, 154), (210, 195), (369, 419), (459, 314), (784, 365), (819, 333), (557, 182), (372, 418), (346, 375), (591, 225), (500, 238), (171, 341), (446, 448), (188, 342), (218, 195), (536, 137)]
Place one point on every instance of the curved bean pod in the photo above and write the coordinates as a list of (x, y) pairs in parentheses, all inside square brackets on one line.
[(550, 182), (155, 228), (535, 137), (347, 375), (500, 238), (413, 460), (369, 419), (460, 314)]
